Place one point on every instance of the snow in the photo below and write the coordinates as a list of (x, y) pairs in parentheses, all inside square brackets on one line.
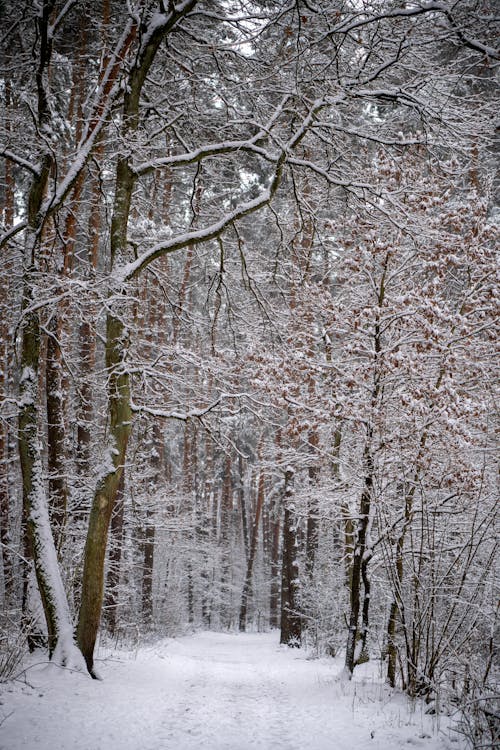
[(215, 691)]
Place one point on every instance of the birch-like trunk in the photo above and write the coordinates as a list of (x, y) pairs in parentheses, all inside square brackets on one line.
[(40, 540)]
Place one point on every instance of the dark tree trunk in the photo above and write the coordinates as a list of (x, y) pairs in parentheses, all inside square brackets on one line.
[(226, 516), (5, 540), (241, 497), (148, 543), (119, 409), (291, 621), (8, 221), (312, 531), (274, 599), (356, 652)]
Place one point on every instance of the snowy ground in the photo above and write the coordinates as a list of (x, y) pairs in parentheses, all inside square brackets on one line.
[(214, 691)]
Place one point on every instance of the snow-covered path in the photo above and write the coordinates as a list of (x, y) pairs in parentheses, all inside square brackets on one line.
[(213, 691)]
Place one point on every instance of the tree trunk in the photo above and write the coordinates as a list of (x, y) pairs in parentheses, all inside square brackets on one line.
[(274, 619), (120, 417), (8, 221), (312, 530), (355, 651), (226, 516), (148, 545), (40, 539), (241, 497), (396, 608), (119, 410), (247, 586), (56, 433), (291, 621), (86, 338), (5, 541), (111, 602), (41, 543)]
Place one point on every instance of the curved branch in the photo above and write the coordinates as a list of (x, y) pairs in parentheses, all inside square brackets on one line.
[(24, 163), (196, 237), (12, 232)]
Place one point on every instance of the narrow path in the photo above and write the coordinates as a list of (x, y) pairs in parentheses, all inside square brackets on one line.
[(212, 691)]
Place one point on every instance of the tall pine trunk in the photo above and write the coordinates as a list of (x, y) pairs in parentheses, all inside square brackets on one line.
[(356, 640)]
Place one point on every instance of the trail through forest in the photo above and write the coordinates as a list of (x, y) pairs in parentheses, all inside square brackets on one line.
[(215, 691)]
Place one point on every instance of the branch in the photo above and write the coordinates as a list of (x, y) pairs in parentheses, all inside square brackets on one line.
[(328, 177), (225, 147), (471, 43), (12, 232), (133, 269), (24, 163), (183, 417), (193, 157), (62, 14)]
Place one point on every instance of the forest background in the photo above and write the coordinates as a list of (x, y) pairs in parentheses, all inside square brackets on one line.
[(249, 309)]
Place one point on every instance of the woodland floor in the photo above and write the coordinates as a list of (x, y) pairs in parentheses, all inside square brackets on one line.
[(215, 691)]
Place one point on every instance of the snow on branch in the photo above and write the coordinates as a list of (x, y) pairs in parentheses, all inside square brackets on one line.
[(24, 163), (181, 416), (12, 233), (61, 16), (225, 147), (366, 19), (196, 237), (133, 269), (192, 157)]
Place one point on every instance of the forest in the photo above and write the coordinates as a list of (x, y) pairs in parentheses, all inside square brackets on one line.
[(248, 331)]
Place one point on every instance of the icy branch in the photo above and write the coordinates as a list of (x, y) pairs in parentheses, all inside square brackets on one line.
[(192, 157)]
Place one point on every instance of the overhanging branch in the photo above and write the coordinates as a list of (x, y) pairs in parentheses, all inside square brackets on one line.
[(196, 237)]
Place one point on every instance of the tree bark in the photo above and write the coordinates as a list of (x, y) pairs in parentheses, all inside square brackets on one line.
[(41, 543), (149, 526), (112, 598), (274, 598), (242, 504), (291, 620), (246, 594), (119, 410), (5, 497), (56, 432), (120, 419), (226, 518), (312, 529), (354, 650)]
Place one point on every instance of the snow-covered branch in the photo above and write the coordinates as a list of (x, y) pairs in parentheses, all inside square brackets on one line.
[(154, 411), (20, 161)]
